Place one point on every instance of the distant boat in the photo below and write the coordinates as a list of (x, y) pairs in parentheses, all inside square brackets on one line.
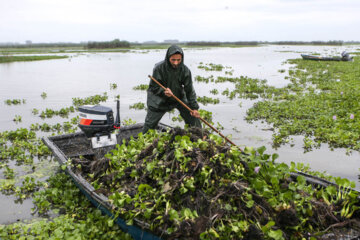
[(344, 57)]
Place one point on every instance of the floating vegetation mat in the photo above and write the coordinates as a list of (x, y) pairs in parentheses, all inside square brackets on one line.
[(188, 184), (7, 59), (321, 103)]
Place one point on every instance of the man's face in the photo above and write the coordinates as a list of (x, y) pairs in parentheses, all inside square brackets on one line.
[(175, 60)]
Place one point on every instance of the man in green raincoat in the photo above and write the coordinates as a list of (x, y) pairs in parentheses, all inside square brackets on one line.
[(175, 76)]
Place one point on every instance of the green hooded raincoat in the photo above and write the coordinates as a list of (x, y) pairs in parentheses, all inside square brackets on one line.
[(179, 80)]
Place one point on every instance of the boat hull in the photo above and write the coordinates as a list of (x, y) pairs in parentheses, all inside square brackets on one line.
[(66, 146), (319, 58)]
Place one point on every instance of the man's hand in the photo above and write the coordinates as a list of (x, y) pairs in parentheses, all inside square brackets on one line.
[(195, 113), (168, 92)]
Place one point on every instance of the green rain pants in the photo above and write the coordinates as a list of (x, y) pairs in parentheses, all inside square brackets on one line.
[(153, 117)]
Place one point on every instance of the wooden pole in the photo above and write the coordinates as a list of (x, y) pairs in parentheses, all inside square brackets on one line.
[(203, 120)]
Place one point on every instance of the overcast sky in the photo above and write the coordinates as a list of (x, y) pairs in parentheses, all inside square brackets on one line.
[(184, 20)]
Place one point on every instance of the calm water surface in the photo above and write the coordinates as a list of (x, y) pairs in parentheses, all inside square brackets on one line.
[(88, 74)]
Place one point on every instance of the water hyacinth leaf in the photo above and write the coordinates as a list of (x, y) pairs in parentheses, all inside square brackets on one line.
[(188, 214), (173, 214), (213, 232), (110, 222), (203, 145), (331, 190), (228, 207), (250, 203), (144, 187), (249, 150), (276, 235), (274, 156), (261, 150), (268, 226), (274, 181)]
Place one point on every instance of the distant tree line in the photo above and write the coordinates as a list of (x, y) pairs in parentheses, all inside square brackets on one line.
[(125, 44), (254, 43), (336, 43), (112, 44), (202, 43), (41, 45)]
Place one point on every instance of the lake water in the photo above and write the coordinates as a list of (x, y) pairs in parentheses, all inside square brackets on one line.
[(88, 74)]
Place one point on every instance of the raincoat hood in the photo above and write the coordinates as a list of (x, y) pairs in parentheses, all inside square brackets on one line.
[(174, 49), (178, 79)]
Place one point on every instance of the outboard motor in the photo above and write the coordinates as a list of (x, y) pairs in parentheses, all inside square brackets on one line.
[(97, 122)]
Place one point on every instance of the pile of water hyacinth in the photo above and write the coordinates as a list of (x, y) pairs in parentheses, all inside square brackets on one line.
[(188, 184)]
